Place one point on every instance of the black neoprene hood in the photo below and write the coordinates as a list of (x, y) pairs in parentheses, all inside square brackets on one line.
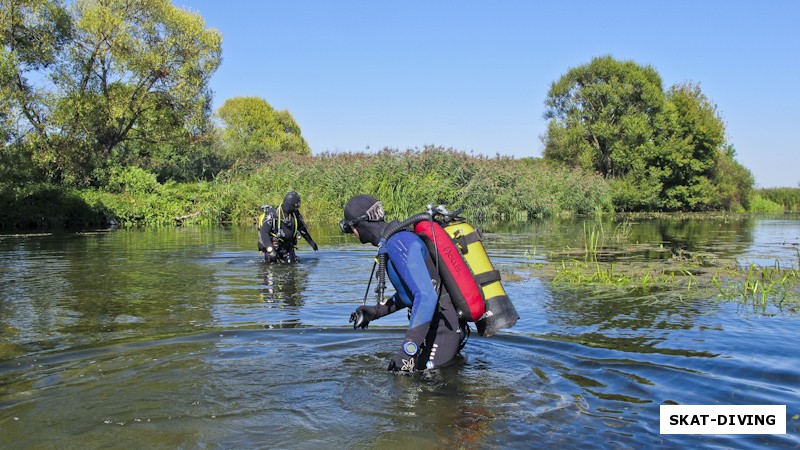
[(291, 203), (368, 231)]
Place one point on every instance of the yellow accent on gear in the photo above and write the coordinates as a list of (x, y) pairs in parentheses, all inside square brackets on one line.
[(296, 224), (476, 257)]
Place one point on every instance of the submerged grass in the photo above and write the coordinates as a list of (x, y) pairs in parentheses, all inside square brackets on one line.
[(759, 284), (610, 260), (750, 284)]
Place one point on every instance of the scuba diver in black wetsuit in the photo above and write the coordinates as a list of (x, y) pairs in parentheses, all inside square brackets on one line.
[(278, 230), (435, 333)]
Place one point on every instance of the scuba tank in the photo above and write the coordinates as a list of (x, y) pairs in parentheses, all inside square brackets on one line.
[(500, 312), (465, 268), (266, 221)]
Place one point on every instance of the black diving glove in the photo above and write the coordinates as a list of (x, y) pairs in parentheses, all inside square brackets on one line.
[(363, 315)]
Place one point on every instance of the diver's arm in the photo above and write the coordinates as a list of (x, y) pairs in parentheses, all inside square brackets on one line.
[(364, 314), (301, 228), (410, 253)]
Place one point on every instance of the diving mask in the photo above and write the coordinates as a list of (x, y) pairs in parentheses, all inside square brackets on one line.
[(375, 213)]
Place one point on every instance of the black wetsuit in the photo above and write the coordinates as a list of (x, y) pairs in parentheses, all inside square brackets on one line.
[(279, 230)]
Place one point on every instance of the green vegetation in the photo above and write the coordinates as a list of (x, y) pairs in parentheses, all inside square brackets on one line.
[(254, 130), (752, 284), (758, 284), (404, 181), (786, 198), (607, 264), (101, 84), (661, 151), (760, 204), (105, 116)]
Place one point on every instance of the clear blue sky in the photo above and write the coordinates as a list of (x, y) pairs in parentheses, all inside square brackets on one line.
[(473, 75)]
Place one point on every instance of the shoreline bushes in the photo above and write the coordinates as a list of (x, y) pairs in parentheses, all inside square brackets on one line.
[(405, 181), (788, 198), (487, 188)]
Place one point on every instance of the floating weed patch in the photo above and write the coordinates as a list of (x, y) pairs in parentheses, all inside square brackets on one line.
[(640, 280), (685, 277), (758, 284), (578, 272)]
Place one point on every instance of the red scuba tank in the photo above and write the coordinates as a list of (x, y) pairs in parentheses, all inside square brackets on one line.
[(464, 291)]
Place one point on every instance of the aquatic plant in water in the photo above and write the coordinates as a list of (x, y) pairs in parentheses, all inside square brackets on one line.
[(686, 276)]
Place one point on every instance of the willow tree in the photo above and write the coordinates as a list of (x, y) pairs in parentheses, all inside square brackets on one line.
[(128, 71), (33, 34), (602, 115), (253, 130), (661, 150), (694, 141)]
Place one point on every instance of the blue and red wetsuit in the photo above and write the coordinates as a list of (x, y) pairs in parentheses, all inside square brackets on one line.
[(435, 333)]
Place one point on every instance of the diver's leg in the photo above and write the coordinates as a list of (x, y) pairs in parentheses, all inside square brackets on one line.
[(444, 338), (408, 256)]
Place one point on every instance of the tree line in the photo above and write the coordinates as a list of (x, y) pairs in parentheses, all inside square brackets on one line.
[(662, 150), (99, 85), (97, 93)]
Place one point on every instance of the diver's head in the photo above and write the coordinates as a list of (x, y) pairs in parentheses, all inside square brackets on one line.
[(364, 215), (291, 203)]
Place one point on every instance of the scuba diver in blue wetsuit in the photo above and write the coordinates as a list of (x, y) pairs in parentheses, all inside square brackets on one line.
[(435, 333), (278, 230)]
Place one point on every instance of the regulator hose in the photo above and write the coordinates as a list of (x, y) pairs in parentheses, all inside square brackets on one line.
[(383, 255)]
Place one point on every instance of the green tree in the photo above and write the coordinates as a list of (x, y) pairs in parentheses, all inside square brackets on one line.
[(130, 71), (733, 181), (32, 36), (253, 130), (602, 116), (693, 141), (662, 151)]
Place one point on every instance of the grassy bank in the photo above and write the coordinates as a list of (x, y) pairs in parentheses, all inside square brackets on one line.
[(787, 199), (487, 188)]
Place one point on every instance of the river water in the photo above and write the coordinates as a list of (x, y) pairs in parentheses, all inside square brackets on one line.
[(185, 338)]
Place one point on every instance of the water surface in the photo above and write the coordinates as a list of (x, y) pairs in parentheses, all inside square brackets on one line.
[(186, 338)]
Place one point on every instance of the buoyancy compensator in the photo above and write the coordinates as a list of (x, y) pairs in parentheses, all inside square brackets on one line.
[(465, 268), (500, 312), (266, 222)]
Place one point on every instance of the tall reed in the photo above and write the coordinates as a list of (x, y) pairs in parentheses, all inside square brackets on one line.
[(405, 181), (486, 188)]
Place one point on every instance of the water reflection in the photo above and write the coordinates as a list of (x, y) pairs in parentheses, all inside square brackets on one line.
[(624, 323), (186, 338), (284, 283), (630, 236)]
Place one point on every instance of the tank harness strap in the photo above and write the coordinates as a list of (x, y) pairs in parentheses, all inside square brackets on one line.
[(487, 278), (463, 240), (279, 220)]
